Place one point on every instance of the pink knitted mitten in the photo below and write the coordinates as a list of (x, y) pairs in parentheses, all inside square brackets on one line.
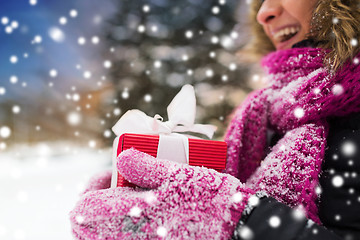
[(175, 201)]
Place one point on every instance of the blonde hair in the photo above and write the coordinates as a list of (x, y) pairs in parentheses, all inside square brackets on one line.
[(335, 25)]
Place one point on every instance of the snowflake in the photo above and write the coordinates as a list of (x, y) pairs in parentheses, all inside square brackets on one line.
[(117, 111), (13, 79), (237, 197), (13, 59), (161, 231), (189, 34), (157, 64), (62, 20), (337, 217), (56, 34), (348, 148), (354, 42), (107, 64), (2, 90), (74, 118), (337, 181), (146, 8), (95, 39), (37, 39), (73, 13), (337, 89), (81, 40), (53, 73), (87, 74), (4, 20), (215, 10), (141, 28), (147, 98), (335, 20), (246, 233), (274, 221), (92, 143), (299, 112), (16, 109), (209, 73), (135, 212), (5, 132), (33, 2)]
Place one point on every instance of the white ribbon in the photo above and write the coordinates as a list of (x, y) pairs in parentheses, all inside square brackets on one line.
[(181, 112)]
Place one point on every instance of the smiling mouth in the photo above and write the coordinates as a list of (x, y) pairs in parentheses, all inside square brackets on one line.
[(286, 34)]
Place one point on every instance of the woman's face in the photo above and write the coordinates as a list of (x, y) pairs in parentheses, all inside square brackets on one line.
[(286, 22)]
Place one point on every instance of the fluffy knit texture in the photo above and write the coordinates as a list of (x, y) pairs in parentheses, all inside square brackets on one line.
[(175, 201), (301, 94)]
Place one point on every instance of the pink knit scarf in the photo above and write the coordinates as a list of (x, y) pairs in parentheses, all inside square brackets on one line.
[(300, 96)]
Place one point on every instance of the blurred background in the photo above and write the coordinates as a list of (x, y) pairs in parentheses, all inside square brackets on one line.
[(68, 71)]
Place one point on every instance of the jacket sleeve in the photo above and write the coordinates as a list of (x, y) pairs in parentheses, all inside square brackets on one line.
[(273, 220)]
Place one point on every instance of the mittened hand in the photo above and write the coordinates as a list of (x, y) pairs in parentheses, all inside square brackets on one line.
[(175, 201)]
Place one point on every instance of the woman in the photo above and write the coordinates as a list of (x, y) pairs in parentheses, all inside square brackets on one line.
[(272, 181)]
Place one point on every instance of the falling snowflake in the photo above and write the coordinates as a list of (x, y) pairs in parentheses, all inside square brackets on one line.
[(356, 61), (214, 40), (92, 143), (79, 219), (53, 73), (73, 118), (2, 91), (125, 94), (107, 64), (141, 28), (337, 181), (157, 64), (274, 221), (13, 59), (107, 133), (299, 112), (253, 200), (189, 34), (232, 66), (62, 20), (209, 73), (348, 148), (56, 34), (33, 2), (81, 40), (135, 212), (117, 111), (5, 132), (215, 10), (161, 231), (95, 39), (147, 98), (146, 8), (13, 79), (87, 74), (73, 13), (237, 197), (246, 233), (337, 217), (16, 109), (37, 39), (224, 78), (335, 20), (354, 42), (337, 89), (4, 20)]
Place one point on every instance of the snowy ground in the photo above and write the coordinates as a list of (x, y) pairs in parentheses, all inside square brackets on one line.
[(40, 184)]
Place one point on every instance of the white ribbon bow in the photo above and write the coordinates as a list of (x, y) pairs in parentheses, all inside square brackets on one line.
[(181, 112)]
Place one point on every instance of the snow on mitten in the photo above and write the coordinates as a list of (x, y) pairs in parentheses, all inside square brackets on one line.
[(99, 181), (175, 201)]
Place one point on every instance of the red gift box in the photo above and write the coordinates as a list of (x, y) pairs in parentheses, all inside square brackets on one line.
[(206, 153)]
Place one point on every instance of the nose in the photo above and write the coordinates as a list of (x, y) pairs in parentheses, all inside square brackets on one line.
[(269, 10)]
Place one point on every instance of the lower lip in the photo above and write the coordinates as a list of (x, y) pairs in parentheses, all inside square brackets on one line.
[(284, 45)]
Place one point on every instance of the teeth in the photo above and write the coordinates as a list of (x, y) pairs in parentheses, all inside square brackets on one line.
[(285, 31)]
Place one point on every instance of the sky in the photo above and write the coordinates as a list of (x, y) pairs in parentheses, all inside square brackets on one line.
[(42, 45)]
